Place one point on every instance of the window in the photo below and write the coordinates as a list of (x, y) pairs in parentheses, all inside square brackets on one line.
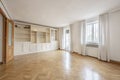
[(92, 33)]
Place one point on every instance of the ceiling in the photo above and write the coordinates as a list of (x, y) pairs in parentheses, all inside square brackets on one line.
[(57, 13)]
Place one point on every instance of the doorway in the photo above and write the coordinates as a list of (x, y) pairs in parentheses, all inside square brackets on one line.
[(67, 39)]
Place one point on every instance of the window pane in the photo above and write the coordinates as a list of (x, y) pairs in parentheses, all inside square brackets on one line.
[(89, 33), (10, 34), (92, 33), (96, 33)]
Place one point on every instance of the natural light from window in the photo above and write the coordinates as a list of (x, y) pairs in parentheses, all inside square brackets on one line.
[(92, 33)]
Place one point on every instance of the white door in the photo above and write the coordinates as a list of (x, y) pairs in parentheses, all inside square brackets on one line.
[(1, 36), (67, 39)]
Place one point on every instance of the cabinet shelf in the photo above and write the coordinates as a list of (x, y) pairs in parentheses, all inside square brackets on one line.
[(22, 33), (35, 34)]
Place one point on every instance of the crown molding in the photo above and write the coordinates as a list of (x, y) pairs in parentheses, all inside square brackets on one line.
[(30, 23), (5, 8)]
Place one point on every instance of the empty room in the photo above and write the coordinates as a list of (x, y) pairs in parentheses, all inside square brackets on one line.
[(59, 39)]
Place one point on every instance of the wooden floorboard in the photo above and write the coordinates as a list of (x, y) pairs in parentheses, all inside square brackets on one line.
[(58, 65)]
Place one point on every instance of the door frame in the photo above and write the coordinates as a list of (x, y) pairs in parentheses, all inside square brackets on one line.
[(67, 28), (9, 48), (3, 37)]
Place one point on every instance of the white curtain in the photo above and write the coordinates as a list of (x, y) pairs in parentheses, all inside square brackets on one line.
[(71, 46), (83, 38), (71, 36), (104, 37)]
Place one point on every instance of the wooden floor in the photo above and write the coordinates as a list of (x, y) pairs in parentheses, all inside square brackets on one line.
[(58, 65)]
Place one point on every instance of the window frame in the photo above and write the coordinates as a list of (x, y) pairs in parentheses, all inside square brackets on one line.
[(92, 43)]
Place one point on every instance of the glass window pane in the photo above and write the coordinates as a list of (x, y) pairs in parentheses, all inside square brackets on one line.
[(96, 33), (10, 34), (89, 33), (92, 33)]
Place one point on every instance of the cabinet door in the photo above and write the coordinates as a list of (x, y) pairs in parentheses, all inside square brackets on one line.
[(33, 48), (26, 47), (38, 47), (18, 48), (9, 40)]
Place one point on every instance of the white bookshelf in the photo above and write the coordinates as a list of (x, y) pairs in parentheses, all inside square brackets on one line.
[(53, 34), (48, 37), (22, 33), (32, 39), (33, 36)]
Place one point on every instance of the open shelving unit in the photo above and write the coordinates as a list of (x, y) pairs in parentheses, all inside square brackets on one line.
[(22, 33), (35, 34), (41, 37), (33, 38), (54, 34)]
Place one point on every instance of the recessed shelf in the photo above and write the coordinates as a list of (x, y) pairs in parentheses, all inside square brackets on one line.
[(35, 34)]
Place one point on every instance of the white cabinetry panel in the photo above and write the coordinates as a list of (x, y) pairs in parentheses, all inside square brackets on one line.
[(18, 48), (32, 39), (28, 47), (33, 47)]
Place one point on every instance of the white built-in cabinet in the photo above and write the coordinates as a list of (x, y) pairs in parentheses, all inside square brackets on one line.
[(1, 36), (33, 39)]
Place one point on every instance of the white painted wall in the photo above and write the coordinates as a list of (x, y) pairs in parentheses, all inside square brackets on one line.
[(114, 23), (76, 33)]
